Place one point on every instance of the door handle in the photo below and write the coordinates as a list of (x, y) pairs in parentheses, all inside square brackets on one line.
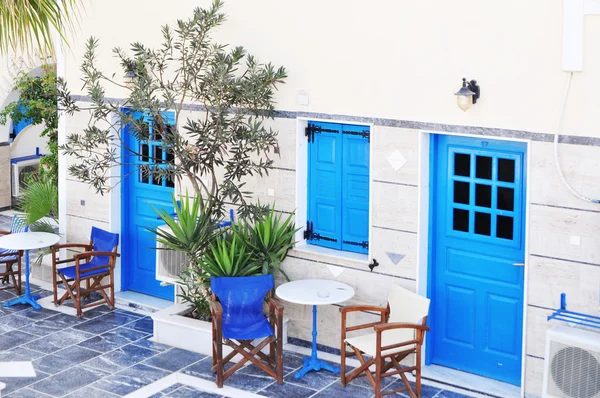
[(518, 264)]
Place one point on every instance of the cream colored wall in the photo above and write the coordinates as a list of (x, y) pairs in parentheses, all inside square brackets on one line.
[(405, 62), (389, 60)]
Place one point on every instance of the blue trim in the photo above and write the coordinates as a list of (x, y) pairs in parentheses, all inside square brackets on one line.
[(28, 157), (578, 318), (431, 241)]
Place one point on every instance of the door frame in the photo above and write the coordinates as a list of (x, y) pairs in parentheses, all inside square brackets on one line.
[(425, 227)]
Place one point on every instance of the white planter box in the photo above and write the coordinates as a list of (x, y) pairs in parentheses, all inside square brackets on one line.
[(174, 329)]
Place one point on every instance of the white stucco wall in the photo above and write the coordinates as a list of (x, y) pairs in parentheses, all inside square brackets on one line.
[(403, 61)]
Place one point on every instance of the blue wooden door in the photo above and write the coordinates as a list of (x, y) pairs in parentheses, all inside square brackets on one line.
[(140, 193), (476, 285)]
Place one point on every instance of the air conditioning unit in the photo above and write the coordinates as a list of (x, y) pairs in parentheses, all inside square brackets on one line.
[(572, 365), (19, 172), (169, 263)]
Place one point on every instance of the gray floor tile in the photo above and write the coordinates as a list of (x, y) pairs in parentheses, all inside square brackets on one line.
[(58, 341), (174, 359), (90, 392), (313, 380), (15, 338), (113, 339), (147, 343), (189, 392), (336, 390), (63, 359), (286, 390), (121, 358), (68, 381), (143, 325), (130, 379), (27, 393), (16, 383)]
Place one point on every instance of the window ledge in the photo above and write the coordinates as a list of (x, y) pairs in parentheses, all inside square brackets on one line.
[(313, 252)]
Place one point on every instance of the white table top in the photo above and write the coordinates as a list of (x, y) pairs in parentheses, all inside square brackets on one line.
[(28, 240), (315, 292)]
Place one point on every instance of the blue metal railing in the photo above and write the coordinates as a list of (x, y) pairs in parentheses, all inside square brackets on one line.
[(577, 318)]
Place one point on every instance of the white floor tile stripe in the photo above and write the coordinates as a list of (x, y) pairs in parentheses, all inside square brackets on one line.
[(17, 369), (191, 381)]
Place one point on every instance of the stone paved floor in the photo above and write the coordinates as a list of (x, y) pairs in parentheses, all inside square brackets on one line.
[(108, 354)]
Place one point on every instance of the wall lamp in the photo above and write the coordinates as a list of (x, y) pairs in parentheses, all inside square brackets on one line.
[(467, 95), (128, 78)]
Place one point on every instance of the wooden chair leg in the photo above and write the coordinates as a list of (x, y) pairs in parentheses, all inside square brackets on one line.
[(418, 372), (280, 350), (19, 275), (219, 361), (343, 365), (378, 368), (112, 288)]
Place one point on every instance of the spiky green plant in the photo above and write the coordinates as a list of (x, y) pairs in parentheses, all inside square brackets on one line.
[(40, 202), (229, 255), (269, 239), (192, 228)]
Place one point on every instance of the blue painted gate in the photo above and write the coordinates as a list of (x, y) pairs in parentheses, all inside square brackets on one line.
[(476, 285), (139, 194)]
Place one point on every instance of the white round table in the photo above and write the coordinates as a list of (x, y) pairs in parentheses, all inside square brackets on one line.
[(27, 241), (315, 292)]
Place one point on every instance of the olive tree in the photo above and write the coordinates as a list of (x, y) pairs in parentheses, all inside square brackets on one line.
[(226, 140)]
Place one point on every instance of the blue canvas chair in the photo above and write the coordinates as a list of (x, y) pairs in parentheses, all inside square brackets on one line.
[(12, 257), (95, 267), (238, 320)]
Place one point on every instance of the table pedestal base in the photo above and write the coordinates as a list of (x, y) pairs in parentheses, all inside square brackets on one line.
[(312, 362), (315, 364), (27, 298)]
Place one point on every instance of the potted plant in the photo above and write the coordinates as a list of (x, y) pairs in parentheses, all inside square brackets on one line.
[(244, 249)]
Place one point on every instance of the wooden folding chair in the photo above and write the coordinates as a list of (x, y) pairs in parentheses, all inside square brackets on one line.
[(399, 333), (238, 320), (12, 257), (93, 266)]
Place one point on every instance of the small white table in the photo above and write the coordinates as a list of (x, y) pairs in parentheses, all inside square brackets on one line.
[(315, 292), (27, 241)]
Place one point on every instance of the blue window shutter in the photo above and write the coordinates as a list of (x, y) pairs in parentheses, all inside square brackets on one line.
[(325, 184), (355, 188)]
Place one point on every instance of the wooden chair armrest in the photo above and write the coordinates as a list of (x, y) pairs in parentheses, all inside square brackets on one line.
[(3, 232), (353, 308), (216, 309), (90, 254), (381, 327), (72, 245), (275, 304)]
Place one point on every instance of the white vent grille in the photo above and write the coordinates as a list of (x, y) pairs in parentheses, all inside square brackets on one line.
[(169, 263), (572, 367)]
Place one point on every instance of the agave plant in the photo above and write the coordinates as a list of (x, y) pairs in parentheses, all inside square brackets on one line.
[(192, 227), (229, 255), (269, 238)]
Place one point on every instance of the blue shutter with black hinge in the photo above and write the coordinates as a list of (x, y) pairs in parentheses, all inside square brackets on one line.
[(324, 222), (355, 188)]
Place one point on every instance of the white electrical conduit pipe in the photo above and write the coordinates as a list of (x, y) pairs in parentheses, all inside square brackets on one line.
[(560, 122)]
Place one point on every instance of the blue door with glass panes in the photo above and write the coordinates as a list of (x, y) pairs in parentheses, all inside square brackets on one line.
[(141, 192), (338, 186), (478, 249)]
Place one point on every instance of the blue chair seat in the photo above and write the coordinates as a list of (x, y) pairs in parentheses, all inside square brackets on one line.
[(5, 259), (256, 330), (69, 272)]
